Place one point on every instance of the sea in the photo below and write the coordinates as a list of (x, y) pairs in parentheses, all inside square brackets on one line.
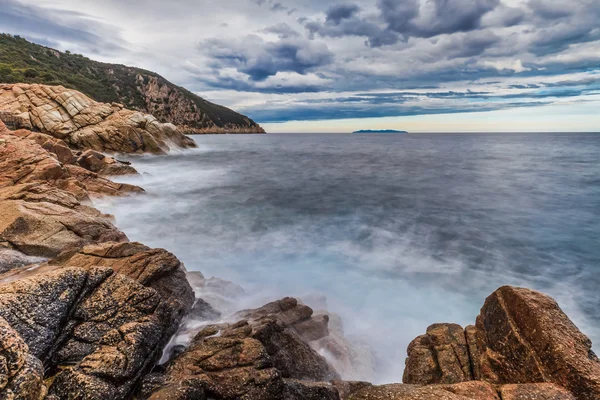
[(396, 232)]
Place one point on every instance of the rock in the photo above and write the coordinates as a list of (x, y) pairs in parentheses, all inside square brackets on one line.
[(202, 311), (524, 337), (472, 390), (104, 165), (84, 123), (460, 391), (352, 357), (96, 331), (346, 388), (21, 374), (49, 143), (155, 268), (24, 161), (535, 391), (249, 359), (227, 368), (45, 229), (222, 295), (303, 390), (290, 354), (439, 356), (99, 186), (118, 332), (10, 259)]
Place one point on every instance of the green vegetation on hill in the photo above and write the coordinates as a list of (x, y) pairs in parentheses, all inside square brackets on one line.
[(23, 61)]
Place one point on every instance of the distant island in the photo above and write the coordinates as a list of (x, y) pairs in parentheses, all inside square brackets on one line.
[(379, 131)]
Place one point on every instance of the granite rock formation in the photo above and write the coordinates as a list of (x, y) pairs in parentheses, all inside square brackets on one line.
[(84, 123), (521, 337), (86, 314)]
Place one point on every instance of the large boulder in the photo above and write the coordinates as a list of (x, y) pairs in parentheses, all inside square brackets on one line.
[(155, 268), (523, 336), (84, 123), (96, 331)]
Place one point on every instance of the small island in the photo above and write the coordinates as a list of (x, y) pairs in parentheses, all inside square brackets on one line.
[(384, 131)]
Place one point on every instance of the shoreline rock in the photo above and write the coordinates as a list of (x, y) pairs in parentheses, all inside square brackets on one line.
[(92, 319), (84, 123)]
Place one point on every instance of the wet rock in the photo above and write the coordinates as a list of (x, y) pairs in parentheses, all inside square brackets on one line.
[(99, 186), (439, 356), (352, 357), (249, 359), (290, 353), (38, 307), (202, 311), (524, 337), (222, 295), (346, 388), (303, 390), (228, 368), (535, 391), (10, 259), (104, 165), (84, 123)]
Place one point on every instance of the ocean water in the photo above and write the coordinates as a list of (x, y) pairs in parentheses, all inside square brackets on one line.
[(398, 232)]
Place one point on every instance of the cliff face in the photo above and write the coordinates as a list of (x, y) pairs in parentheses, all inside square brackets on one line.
[(136, 89)]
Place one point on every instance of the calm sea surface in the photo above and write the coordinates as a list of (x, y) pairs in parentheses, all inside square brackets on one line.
[(397, 231)]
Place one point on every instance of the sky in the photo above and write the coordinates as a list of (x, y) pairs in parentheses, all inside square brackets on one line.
[(339, 66)]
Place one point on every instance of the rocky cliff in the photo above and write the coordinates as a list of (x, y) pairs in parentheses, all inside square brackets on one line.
[(87, 314), (136, 89)]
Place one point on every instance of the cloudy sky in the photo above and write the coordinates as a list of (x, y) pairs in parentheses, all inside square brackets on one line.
[(327, 65)]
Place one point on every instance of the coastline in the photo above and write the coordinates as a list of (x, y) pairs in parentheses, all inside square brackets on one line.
[(110, 307)]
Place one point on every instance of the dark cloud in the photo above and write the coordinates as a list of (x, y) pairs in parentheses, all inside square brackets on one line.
[(434, 17), (463, 45), (551, 9), (260, 59), (339, 12), (354, 26)]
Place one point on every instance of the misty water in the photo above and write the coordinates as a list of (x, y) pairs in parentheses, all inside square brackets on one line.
[(397, 231)]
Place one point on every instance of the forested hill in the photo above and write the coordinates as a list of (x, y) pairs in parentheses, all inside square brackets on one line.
[(135, 88)]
